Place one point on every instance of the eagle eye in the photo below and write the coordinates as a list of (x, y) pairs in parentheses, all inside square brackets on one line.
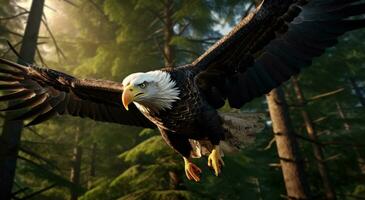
[(142, 85)]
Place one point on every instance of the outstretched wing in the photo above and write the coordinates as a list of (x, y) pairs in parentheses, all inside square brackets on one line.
[(270, 45), (43, 93)]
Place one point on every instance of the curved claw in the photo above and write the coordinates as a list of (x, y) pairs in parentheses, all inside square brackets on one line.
[(215, 161), (192, 171)]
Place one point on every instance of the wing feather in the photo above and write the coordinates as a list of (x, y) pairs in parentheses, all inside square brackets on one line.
[(11, 87), (31, 102), (42, 117), (44, 93), (23, 94), (272, 44)]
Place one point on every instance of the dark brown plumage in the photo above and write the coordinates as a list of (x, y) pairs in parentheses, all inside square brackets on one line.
[(272, 44), (48, 92)]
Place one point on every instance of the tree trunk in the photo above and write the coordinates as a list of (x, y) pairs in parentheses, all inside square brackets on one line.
[(11, 133), (357, 90), (168, 34), (92, 165), (175, 181), (312, 134), (287, 147), (359, 158), (76, 167), (346, 125), (169, 57)]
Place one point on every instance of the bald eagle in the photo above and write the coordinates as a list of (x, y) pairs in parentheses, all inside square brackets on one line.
[(264, 50)]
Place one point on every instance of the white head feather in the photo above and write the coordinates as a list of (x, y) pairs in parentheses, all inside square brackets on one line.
[(161, 90)]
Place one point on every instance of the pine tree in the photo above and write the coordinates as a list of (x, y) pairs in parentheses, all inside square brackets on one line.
[(312, 134), (288, 150), (11, 133), (76, 165), (326, 86)]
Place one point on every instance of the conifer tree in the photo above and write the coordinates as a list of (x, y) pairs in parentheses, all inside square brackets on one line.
[(11, 133), (312, 134), (288, 151)]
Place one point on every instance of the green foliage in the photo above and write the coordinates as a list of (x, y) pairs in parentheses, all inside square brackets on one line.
[(328, 73), (147, 151), (146, 176)]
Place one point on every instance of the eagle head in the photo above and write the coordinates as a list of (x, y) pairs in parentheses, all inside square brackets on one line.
[(150, 91)]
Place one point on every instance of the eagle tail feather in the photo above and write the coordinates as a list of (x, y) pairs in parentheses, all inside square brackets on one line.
[(240, 131)]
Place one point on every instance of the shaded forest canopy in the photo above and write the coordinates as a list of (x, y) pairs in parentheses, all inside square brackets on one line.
[(70, 158)]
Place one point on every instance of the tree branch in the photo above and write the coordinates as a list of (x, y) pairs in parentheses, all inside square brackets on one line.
[(20, 35), (100, 10), (160, 48), (38, 192), (183, 29), (158, 16), (272, 141), (11, 48), (320, 119), (14, 16), (20, 191), (211, 40), (58, 49), (28, 128), (327, 94), (35, 155), (71, 3), (308, 139), (41, 57)]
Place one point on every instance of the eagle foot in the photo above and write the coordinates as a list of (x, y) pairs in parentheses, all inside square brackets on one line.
[(215, 160), (192, 171)]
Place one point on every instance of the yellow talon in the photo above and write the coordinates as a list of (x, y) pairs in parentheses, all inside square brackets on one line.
[(191, 170), (215, 160)]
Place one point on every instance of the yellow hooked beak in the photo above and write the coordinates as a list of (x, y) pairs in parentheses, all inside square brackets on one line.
[(128, 95)]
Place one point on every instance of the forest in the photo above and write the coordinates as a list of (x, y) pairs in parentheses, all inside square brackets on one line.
[(320, 113)]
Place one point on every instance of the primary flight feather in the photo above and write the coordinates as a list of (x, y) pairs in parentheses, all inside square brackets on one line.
[(265, 49)]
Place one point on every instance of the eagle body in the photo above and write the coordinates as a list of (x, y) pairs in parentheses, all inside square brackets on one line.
[(266, 48), (185, 109), (190, 117)]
